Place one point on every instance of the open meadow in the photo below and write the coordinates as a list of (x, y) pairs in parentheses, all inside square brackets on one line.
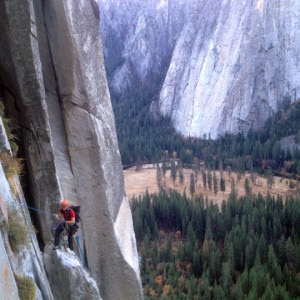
[(137, 182)]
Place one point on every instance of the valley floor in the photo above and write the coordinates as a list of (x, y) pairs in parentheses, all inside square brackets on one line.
[(137, 182)]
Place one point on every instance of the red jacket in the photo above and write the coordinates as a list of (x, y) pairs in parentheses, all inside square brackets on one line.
[(68, 214)]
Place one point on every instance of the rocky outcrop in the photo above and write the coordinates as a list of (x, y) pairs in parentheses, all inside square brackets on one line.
[(233, 63), (54, 86), (64, 266)]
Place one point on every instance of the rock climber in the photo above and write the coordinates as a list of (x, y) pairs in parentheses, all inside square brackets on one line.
[(66, 219)]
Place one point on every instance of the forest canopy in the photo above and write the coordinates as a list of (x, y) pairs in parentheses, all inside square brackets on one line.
[(249, 248)]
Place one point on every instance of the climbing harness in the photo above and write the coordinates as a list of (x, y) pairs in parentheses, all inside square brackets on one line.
[(63, 235)]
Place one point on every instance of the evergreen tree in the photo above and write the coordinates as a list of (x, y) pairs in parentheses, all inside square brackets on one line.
[(180, 174), (222, 185), (281, 251), (297, 258), (250, 249), (204, 178), (196, 169), (215, 183), (226, 278), (206, 286), (164, 166), (191, 234), (221, 168), (262, 249), (229, 254), (209, 180), (247, 187), (208, 229), (215, 265), (289, 251), (243, 283), (188, 250), (218, 293), (233, 191), (159, 176), (192, 184), (197, 264), (173, 172), (270, 179), (272, 265), (205, 253), (229, 170)]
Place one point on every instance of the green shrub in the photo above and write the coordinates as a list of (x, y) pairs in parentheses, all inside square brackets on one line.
[(14, 147), (17, 232), (26, 287), (12, 167)]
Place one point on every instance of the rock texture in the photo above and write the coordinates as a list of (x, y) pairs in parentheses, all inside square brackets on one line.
[(7, 284), (54, 86), (28, 261), (64, 266), (232, 63)]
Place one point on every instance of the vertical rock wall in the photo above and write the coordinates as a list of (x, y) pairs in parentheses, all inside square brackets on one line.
[(233, 67), (52, 65), (230, 63)]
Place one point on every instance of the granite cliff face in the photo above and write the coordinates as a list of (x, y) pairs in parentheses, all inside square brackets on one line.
[(53, 85), (230, 64)]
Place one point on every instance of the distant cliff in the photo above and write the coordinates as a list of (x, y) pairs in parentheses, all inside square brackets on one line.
[(54, 88), (223, 66)]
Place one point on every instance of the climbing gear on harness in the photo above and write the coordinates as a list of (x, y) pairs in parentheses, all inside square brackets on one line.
[(64, 238)]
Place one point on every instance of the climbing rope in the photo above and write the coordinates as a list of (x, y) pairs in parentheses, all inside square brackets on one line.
[(39, 210)]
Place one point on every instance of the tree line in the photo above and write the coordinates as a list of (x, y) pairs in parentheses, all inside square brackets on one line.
[(144, 138)]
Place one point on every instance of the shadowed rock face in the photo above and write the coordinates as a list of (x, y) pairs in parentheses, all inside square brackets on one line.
[(232, 63), (53, 82)]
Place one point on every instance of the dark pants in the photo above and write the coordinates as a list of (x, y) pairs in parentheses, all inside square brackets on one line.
[(59, 229)]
